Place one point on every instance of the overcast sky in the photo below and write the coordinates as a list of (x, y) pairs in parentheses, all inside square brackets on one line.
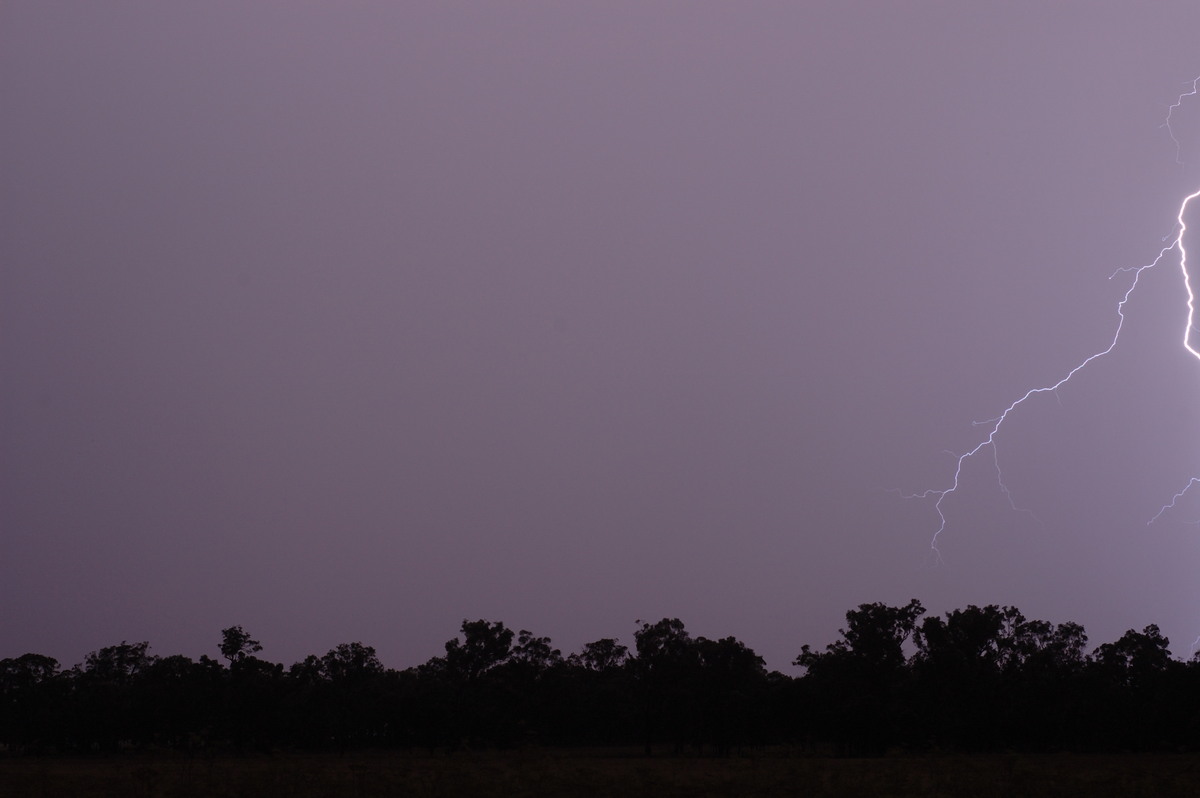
[(348, 321)]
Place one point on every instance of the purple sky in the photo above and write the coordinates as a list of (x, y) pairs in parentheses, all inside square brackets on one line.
[(348, 321)]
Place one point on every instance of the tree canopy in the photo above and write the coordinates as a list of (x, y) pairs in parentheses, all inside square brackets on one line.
[(978, 678)]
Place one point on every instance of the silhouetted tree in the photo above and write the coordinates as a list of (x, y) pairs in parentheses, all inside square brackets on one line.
[(1136, 679), (30, 702), (350, 661), (342, 694), (1042, 648), (731, 684), (105, 698), (181, 700), (602, 655), (1046, 699), (118, 664), (854, 685), (666, 662), (254, 701), (534, 654), (1136, 658), (483, 646), (236, 644), (473, 698), (959, 665), (600, 700)]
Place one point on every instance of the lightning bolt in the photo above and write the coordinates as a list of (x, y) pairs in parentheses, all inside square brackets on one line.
[(1171, 504), (1173, 241), (1171, 110)]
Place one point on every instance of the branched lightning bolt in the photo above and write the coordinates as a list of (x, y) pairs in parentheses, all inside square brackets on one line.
[(1187, 283), (1173, 241)]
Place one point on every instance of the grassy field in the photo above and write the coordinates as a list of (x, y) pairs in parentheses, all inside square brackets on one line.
[(572, 773)]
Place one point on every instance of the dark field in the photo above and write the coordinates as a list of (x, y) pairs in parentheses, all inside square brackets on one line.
[(603, 773)]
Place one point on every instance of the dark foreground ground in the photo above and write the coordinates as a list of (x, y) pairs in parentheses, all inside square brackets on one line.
[(601, 773)]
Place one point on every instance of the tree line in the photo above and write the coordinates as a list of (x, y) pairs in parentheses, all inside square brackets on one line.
[(977, 679)]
